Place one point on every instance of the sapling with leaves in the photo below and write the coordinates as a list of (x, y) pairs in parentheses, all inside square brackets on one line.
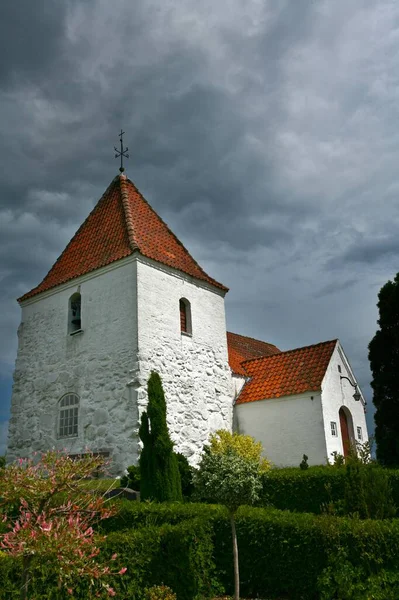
[(230, 473), (50, 514)]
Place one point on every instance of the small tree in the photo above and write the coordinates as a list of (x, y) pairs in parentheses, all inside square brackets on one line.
[(384, 360), (50, 513), (159, 471), (230, 473)]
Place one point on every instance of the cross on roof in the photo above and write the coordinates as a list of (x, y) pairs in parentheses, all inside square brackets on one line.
[(122, 152)]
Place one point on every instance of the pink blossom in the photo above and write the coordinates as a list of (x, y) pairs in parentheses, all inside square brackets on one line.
[(111, 591), (113, 557), (123, 570)]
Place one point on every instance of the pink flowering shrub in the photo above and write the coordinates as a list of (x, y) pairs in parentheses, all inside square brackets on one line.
[(50, 516)]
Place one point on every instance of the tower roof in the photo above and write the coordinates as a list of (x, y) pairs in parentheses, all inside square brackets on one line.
[(121, 223)]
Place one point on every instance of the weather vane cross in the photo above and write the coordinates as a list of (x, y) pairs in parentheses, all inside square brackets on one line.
[(123, 152)]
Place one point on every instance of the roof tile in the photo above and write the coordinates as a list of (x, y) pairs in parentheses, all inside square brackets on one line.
[(286, 373), (242, 348)]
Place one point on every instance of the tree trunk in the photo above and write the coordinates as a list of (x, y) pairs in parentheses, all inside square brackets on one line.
[(26, 562), (235, 557)]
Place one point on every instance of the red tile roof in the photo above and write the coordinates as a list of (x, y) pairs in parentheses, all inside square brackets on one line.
[(121, 223), (286, 373), (242, 348)]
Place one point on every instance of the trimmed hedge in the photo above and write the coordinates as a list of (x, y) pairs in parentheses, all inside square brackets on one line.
[(133, 515), (308, 490), (282, 554), (179, 556)]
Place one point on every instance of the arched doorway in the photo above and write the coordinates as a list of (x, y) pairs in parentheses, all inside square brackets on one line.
[(345, 420)]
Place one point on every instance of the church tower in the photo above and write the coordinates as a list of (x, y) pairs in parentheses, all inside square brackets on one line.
[(123, 299)]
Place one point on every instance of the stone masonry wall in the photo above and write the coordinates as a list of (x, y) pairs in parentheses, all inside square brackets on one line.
[(194, 369), (95, 364)]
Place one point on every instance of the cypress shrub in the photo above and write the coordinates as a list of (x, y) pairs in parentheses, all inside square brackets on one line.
[(159, 471)]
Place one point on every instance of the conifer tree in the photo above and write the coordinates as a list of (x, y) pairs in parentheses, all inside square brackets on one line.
[(160, 478), (384, 363)]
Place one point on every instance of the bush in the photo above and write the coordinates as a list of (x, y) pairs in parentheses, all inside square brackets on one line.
[(316, 489), (187, 547), (132, 479), (159, 592), (178, 556), (186, 475), (283, 554)]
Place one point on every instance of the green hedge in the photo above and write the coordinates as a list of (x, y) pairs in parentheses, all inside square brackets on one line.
[(307, 491), (141, 514), (282, 554), (179, 556)]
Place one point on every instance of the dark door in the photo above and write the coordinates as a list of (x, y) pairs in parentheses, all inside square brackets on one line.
[(344, 431)]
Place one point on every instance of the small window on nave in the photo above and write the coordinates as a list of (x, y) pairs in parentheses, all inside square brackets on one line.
[(185, 316)]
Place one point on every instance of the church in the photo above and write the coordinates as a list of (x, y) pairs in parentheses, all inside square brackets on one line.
[(126, 298)]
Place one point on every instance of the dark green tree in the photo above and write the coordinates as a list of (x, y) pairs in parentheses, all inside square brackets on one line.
[(384, 363), (159, 470)]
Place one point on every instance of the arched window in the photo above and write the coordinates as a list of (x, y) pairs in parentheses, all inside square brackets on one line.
[(74, 313), (185, 316), (68, 413)]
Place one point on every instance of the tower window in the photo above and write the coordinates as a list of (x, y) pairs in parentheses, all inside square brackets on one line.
[(74, 313), (68, 413), (185, 316), (334, 428)]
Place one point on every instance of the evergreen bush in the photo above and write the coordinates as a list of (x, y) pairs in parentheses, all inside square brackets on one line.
[(313, 489), (159, 471)]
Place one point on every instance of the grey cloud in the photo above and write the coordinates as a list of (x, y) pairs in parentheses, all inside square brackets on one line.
[(261, 132), (372, 250)]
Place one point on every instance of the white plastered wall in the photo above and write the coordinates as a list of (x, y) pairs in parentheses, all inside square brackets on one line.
[(194, 369), (288, 427), (337, 392), (96, 364)]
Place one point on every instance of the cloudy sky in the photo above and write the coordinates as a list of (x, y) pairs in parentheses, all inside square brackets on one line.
[(264, 132)]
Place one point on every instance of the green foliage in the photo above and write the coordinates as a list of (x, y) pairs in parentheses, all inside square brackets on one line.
[(133, 478), (383, 356), (244, 446), (186, 476), (342, 580), (160, 592), (160, 477), (303, 465), (282, 555), (178, 556), (230, 470), (2, 462), (326, 489)]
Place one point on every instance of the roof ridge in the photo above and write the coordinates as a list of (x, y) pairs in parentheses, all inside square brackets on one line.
[(248, 337), (290, 351), (216, 283), (127, 211)]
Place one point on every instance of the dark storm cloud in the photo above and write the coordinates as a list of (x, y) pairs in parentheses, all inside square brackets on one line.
[(30, 39), (260, 131), (372, 250)]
